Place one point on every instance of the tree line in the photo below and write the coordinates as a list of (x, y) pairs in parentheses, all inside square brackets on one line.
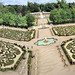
[(64, 13), (19, 16), (15, 15), (35, 7)]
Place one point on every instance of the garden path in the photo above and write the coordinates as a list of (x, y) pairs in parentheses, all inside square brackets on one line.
[(49, 60)]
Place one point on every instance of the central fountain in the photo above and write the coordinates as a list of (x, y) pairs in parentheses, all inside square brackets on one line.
[(45, 41)]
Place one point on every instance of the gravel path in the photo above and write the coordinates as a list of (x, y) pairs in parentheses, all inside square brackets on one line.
[(49, 60)]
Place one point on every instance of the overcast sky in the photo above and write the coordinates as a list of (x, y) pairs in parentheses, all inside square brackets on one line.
[(24, 2)]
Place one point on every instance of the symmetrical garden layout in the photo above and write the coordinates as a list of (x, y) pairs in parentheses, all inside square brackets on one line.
[(9, 55), (64, 30), (17, 35)]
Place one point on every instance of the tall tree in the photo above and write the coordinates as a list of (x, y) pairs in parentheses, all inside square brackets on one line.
[(49, 7), (42, 7), (68, 13), (73, 13), (53, 15), (30, 19), (33, 7), (24, 10), (1, 6), (30, 7), (63, 4)]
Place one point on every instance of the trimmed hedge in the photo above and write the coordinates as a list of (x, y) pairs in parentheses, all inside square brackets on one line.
[(34, 34), (54, 31), (66, 53), (29, 62), (18, 62), (73, 56)]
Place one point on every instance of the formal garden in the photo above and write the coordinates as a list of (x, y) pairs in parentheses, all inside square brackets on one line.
[(64, 30), (68, 47), (17, 35), (10, 55), (27, 17)]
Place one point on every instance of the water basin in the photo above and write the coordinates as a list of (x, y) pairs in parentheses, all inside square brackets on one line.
[(44, 42)]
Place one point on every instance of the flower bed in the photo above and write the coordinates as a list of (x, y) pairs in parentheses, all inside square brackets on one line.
[(8, 54), (64, 30), (17, 35), (69, 50)]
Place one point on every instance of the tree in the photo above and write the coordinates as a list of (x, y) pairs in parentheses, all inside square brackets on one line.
[(55, 5), (63, 4), (30, 7), (5, 9), (1, 21), (8, 18), (53, 15), (23, 21), (73, 13), (73, 5), (69, 14), (36, 7), (30, 19), (17, 20), (42, 7), (11, 9), (1, 6), (49, 7), (24, 10), (63, 14), (18, 9), (60, 15), (33, 7)]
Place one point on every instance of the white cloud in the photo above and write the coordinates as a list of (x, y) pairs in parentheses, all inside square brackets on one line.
[(24, 2), (42, 1), (49, 1), (70, 1), (14, 2)]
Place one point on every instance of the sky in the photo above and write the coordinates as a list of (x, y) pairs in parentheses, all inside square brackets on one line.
[(24, 2)]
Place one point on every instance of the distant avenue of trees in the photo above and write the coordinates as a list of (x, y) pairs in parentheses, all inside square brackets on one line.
[(19, 16), (35, 7), (60, 12)]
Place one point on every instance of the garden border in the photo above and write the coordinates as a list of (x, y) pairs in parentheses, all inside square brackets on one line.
[(18, 61), (66, 53)]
